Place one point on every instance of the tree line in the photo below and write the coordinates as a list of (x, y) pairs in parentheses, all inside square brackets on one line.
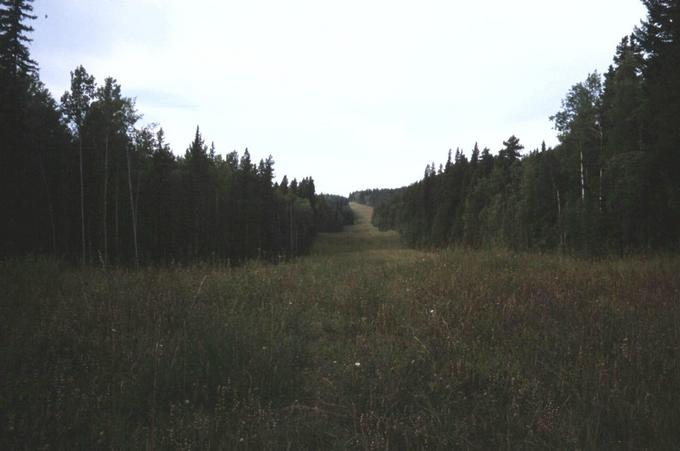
[(374, 197), (611, 185), (81, 179), (334, 213)]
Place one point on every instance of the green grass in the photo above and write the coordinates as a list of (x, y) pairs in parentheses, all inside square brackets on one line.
[(361, 345)]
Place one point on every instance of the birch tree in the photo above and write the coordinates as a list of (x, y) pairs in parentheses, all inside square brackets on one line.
[(76, 107), (579, 124)]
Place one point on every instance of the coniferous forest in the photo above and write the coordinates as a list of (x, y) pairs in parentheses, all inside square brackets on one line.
[(611, 186), (82, 180), (161, 298)]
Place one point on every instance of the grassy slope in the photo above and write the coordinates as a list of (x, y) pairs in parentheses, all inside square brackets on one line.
[(363, 344)]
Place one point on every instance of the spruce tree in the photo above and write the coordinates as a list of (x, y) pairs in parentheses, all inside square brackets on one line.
[(15, 59), (474, 158), (16, 65), (659, 38), (511, 150), (17, 70), (622, 101)]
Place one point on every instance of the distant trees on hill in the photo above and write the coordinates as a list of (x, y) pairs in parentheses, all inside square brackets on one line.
[(611, 185), (81, 179), (382, 200), (333, 213), (374, 197)]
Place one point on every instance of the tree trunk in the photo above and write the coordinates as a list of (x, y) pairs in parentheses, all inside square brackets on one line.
[(106, 197), (292, 240), (50, 207), (82, 194), (217, 230), (132, 206), (116, 230), (159, 238), (583, 180), (139, 184), (601, 200), (559, 219), (601, 136)]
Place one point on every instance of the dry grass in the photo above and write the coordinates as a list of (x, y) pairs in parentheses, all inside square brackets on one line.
[(361, 345)]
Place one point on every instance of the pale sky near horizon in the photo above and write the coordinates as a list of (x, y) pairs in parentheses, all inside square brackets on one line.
[(355, 93)]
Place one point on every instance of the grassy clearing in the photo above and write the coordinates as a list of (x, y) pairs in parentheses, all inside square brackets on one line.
[(361, 345)]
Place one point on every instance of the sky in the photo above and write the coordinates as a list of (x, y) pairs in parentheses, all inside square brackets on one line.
[(355, 93)]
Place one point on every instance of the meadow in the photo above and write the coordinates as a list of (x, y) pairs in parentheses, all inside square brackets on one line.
[(363, 344)]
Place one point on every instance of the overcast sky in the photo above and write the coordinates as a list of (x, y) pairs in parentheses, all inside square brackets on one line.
[(355, 93)]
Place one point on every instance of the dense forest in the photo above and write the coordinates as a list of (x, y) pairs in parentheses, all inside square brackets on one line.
[(612, 185), (333, 213), (375, 197), (81, 179)]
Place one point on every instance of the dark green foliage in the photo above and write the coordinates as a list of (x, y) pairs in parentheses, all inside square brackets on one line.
[(79, 180), (206, 207), (15, 59), (612, 185), (333, 213), (374, 197), (511, 149), (659, 39), (384, 202), (160, 208), (626, 180), (32, 140)]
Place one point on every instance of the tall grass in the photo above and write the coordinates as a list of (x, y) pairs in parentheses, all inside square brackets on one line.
[(361, 345)]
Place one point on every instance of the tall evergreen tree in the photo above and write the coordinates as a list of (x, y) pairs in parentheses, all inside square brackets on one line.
[(198, 190), (17, 70), (16, 65), (159, 208), (622, 101), (659, 38), (15, 59), (511, 149)]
